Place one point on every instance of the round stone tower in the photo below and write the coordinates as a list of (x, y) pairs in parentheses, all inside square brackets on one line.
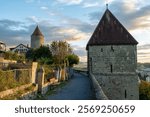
[(37, 38)]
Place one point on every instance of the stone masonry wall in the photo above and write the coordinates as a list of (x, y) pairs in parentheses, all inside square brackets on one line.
[(120, 58), (119, 87), (37, 41), (115, 69)]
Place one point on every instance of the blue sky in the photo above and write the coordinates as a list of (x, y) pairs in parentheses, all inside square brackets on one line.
[(73, 21)]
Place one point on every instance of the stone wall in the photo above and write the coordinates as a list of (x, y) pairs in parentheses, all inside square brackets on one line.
[(99, 94), (119, 87), (115, 69), (36, 41), (116, 59), (13, 91)]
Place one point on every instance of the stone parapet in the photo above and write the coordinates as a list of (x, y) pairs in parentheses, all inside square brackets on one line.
[(100, 95)]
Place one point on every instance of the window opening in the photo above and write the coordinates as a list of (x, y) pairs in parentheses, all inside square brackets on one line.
[(112, 49), (111, 68), (125, 93)]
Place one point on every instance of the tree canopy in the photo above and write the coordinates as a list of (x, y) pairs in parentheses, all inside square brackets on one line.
[(72, 59), (60, 49), (59, 53), (42, 55)]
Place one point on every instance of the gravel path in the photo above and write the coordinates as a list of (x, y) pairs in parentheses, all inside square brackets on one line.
[(78, 88)]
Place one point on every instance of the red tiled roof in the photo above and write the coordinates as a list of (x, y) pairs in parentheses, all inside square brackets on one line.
[(110, 31), (37, 32)]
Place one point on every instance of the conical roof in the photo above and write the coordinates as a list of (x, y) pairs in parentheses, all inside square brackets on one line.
[(110, 31), (37, 32)]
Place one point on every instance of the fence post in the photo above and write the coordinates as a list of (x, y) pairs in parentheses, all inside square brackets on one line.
[(40, 77), (34, 71)]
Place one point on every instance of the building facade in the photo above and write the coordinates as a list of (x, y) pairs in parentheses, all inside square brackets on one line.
[(37, 38), (20, 49), (112, 58), (2, 46)]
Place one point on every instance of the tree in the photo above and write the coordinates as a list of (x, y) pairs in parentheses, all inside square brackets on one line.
[(42, 55), (14, 56), (60, 49), (72, 59)]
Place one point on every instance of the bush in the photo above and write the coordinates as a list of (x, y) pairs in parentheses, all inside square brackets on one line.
[(144, 90), (48, 72)]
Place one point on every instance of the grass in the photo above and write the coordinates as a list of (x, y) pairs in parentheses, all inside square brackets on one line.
[(8, 81)]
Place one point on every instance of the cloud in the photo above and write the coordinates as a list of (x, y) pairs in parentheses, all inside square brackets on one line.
[(132, 16), (143, 53), (44, 8), (77, 24), (87, 5), (143, 47), (33, 19), (12, 32), (81, 52), (70, 2)]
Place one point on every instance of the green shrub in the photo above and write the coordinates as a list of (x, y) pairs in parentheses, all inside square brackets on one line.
[(144, 90)]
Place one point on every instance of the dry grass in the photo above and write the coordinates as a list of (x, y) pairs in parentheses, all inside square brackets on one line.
[(8, 80)]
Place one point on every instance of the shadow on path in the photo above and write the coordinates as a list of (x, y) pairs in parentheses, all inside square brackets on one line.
[(78, 88)]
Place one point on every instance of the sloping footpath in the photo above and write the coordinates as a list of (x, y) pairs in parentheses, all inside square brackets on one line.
[(79, 87)]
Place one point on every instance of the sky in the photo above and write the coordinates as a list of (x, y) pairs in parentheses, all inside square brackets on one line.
[(73, 21)]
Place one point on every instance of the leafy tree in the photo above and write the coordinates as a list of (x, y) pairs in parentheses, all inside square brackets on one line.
[(42, 55), (60, 49), (72, 59)]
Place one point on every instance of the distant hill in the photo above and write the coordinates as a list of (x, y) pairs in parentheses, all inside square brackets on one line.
[(143, 65)]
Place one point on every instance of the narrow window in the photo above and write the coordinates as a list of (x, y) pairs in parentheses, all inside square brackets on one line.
[(111, 69), (101, 49), (112, 49), (125, 93), (91, 64)]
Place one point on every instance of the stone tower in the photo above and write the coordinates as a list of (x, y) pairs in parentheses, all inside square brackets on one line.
[(37, 38), (112, 58)]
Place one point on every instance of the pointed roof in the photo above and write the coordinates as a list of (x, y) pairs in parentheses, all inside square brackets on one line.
[(110, 31), (37, 32)]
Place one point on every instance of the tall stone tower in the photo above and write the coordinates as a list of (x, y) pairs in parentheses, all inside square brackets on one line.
[(37, 38), (112, 58)]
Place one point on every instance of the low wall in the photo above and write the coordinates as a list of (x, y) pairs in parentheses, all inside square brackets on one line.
[(30, 95), (100, 95), (12, 91)]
